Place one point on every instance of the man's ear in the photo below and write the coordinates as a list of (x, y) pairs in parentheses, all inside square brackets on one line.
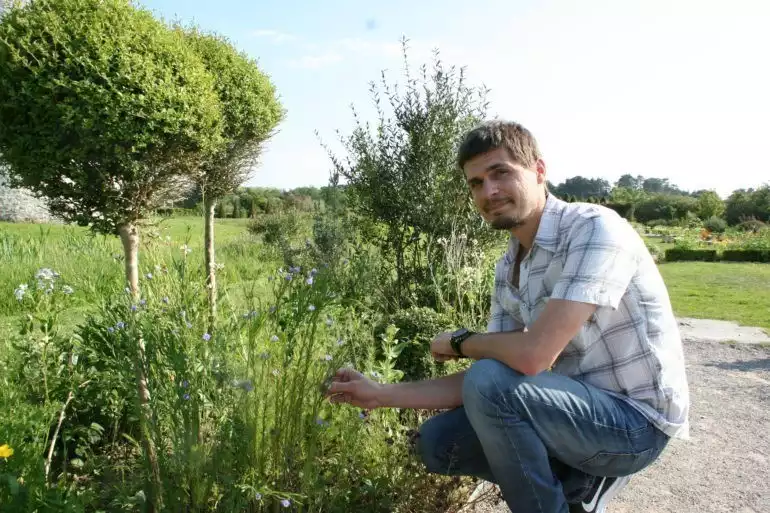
[(540, 170)]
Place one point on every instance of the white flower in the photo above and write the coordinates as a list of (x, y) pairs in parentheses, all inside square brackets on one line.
[(20, 291), (67, 289), (185, 249), (149, 276), (46, 274)]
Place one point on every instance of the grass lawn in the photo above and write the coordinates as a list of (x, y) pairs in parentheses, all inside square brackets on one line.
[(737, 292)]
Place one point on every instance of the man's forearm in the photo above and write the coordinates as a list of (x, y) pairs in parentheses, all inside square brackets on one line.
[(434, 394)]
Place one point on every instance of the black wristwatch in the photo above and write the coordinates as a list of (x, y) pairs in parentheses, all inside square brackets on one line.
[(458, 337)]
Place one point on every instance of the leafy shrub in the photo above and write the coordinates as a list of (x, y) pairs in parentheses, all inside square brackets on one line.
[(752, 225), (747, 255), (715, 225), (418, 326), (655, 251), (658, 222), (682, 254)]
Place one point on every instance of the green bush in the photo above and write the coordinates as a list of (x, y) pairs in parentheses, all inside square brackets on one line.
[(746, 255), (274, 228), (752, 225), (715, 224), (691, 255), (419, 326)]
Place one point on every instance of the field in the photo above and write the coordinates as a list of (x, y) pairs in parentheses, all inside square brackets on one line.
[(235, 411)]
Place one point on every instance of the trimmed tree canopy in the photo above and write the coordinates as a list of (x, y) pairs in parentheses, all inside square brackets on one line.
[(250, 110), (102, 106)]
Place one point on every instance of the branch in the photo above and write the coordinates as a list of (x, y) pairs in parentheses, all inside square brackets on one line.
[(70, 396)]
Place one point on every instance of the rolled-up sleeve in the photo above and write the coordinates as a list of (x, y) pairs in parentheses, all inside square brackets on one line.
[(601, 259)]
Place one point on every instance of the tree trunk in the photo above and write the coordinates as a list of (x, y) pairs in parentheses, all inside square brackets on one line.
[(210, 262), (129, 235)]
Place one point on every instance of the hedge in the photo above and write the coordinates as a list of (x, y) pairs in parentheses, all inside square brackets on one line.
[(746, 255), (699, 255)]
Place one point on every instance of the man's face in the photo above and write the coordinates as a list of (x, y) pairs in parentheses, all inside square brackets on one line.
[(505, 192)]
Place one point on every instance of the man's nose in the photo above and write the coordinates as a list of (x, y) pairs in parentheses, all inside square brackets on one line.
[(489, 189)]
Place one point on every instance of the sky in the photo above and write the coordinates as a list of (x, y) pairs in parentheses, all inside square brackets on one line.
[(677, 89)]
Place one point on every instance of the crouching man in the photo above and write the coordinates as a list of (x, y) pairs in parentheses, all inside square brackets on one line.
[(579, 381)]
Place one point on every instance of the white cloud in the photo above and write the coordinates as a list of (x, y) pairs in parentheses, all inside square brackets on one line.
[(316, 61), (275, 36)]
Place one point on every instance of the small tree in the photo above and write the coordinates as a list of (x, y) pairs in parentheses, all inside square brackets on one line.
[(403, 172), (251, 111), (103, 108), (710, 205)]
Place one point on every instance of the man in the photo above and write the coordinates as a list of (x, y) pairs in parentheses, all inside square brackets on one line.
[(580, 379)]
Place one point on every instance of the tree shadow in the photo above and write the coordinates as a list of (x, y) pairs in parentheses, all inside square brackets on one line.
[(757, 364)]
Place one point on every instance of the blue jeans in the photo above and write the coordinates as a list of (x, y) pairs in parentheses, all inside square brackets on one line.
[(543, 439)]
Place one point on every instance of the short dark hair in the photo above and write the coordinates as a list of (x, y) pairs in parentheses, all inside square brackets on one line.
[(490, 135)]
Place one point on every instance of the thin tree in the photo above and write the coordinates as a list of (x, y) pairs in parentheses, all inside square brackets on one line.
[(251, 111), (103, 109)]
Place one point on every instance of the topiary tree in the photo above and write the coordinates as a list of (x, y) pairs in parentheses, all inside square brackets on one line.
[(103, 109), (251, 111), (710, 205)]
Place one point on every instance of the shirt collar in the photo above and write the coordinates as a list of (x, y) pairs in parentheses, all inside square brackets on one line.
[(547, 236)]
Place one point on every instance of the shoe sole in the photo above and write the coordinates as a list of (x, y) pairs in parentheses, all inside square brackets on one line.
[(611, 493)]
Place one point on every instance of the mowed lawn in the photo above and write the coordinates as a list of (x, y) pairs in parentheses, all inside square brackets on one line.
[(737, 292)]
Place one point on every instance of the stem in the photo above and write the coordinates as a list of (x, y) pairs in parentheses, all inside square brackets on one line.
[(129, 236), (56, 435), (211, 278)]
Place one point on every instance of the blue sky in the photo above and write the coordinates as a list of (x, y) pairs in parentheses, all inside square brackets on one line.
[(666, 88)]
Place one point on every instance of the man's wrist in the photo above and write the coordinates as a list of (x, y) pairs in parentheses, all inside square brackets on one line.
[(384, 395)]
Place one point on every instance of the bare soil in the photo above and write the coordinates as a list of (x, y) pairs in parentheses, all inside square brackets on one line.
[(725, 466)]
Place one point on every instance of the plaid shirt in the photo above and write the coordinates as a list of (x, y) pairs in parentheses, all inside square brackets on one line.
[(630, 347)]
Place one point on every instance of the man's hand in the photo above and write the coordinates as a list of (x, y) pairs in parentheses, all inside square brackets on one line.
[(441, 348), (351, 387)]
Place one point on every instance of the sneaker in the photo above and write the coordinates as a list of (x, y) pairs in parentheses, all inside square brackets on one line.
[(601, 494)]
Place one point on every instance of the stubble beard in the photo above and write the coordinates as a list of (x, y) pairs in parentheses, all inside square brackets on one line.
[(506, 223)]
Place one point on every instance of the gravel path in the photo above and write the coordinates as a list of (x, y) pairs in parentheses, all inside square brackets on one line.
[(725, 466)]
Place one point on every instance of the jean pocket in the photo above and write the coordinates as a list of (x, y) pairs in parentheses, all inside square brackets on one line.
[(615, 464)]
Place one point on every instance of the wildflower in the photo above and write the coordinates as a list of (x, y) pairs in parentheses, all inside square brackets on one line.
[(189, 325), (5, 451), (345, 261), (258, 496), (311, 308), (186, 397), (329, 321), (143, 302), (165, 299), (274, 338), (286, 503), (288, 277), (185, 384), (67, 290), (206, 337), (309, 281), (185, 249), (110, 330), (363, 414), (20, 291), (133, 308), (327, 358), (46, 274), (313, 271), (295, 270), (148, 276), (128, 291), (340, 342), (120, 325), (275, 372)]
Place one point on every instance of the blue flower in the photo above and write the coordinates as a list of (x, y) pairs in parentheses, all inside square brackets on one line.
[(258, 496), (110, 329), (288, 277), (185, 384), (311, 308), (186, 397), (286, 503), (143, 302), (274, 338), (120, 325), (309, 281), (340, 342), (165, 300), (133, 308), (206, 337)]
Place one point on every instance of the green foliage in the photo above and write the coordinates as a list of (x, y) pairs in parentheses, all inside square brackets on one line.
[(682, 254), (715, 225), (752, 225), (403, 175), (250, 112), (747, 255), (743, 205), (102, 107), (710, 205)]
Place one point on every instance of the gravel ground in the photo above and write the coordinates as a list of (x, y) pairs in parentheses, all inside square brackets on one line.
[(725, 466)]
